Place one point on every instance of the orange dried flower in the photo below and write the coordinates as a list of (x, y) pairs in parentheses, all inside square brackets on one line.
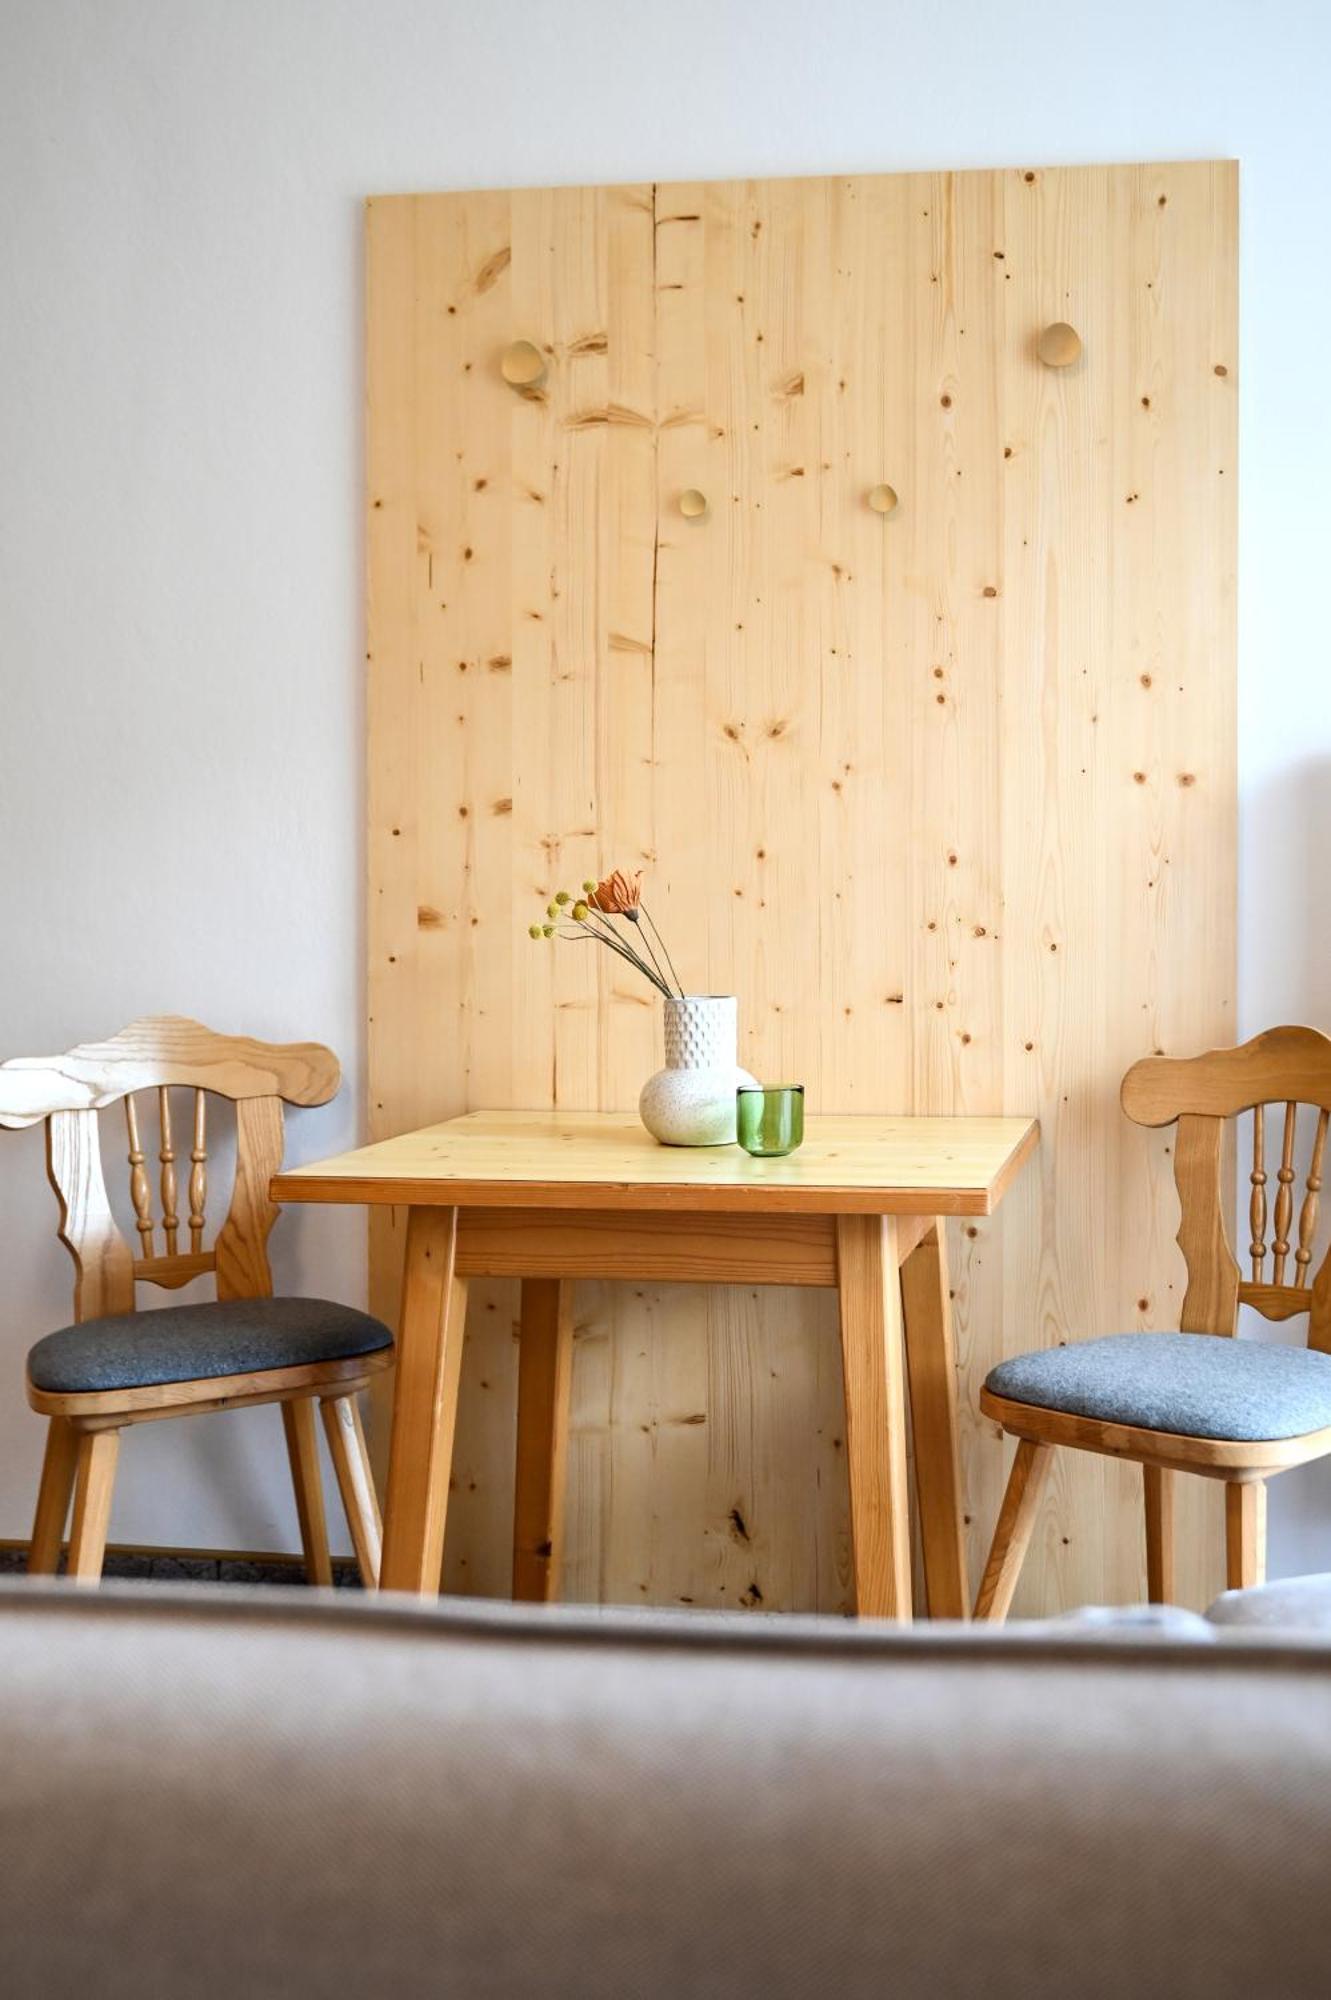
[(619, 894)]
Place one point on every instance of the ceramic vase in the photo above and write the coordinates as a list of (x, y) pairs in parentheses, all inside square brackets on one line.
[(691, 1102)]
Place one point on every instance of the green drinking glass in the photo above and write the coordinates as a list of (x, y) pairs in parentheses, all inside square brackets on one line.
[(769, 1121)]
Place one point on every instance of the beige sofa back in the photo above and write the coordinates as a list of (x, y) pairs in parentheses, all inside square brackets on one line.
[(245, 1794)]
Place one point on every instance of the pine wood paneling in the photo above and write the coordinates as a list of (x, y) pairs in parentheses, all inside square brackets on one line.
[(946, 796)]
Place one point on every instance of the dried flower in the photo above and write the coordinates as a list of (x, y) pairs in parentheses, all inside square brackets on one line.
[(619, 895), (592, 919)]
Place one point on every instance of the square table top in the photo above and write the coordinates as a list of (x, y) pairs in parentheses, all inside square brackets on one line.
[(606, 1160)]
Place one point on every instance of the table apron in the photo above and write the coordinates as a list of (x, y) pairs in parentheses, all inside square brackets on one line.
[(661, 1246)]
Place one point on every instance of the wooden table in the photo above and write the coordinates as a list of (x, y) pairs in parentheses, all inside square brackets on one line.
[(549, 1197)]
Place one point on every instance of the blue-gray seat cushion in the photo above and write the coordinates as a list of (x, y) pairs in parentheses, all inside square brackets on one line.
[(199, 1343), (1198, 1384)]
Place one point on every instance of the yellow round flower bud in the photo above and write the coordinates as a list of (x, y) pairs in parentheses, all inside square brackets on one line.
[(580, 913), (588, 887), (533, 930), (562, 898), (547, 930)]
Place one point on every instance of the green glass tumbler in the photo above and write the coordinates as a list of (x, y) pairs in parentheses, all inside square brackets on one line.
[(769, 1120)]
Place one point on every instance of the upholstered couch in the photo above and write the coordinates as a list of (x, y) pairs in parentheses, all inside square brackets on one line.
[(250, 1794)]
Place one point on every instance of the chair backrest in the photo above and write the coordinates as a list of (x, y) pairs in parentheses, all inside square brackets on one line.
[(162, 1054), (1286, 1070)]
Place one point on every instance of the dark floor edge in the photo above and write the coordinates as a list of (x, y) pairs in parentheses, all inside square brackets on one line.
[(142, 1566)]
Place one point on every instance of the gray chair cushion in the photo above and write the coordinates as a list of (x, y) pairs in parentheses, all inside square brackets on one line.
[(198, 1343), (1198, 1384), (1294, 1604)]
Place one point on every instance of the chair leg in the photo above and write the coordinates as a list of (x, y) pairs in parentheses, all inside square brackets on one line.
[(1016, 1520), (1159, 1485), (1245, 1534), (303, 1452), (355, 1482), (98, 1452), (53, 1496)]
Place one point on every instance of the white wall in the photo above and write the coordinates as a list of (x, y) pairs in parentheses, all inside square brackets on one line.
[(180, 458)]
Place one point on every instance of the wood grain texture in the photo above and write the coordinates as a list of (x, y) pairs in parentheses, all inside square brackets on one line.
[(1286, 1071), (1211, 1458), (931, 1363), (1158, 1494), (162, 1050), (156, 1055), (1274, 1067), (1245, 1535), (303, 1457), (946, 796), (59, 1465), (873, 1367), (1016, 1525), (1201, 1096), (98, 1456), (652, 1245), (434, 1309), (1211, 1301), (530, 1159), (545, 1375), (103, 1262), (216, 1392), (355, 1483), (240, 1254)]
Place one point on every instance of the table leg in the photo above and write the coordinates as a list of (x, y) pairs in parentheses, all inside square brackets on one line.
[(931, 1364), (425, 1401), (869, 1289), (545, 1375)]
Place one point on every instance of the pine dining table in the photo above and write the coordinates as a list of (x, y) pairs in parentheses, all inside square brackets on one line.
[(551, 1197)]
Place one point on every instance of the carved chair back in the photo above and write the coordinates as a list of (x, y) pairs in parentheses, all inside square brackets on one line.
[(1283, 1079), (162, 1055)]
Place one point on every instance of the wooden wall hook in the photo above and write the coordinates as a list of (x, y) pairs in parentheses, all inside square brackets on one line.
[(1060, 345), (523, 365), (692, 504), (883, 499)]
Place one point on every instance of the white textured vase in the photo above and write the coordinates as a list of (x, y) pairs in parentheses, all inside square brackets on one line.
[(691, 1102)]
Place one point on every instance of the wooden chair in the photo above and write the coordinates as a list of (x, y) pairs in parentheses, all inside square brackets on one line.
[(117, 1366), (1235, 1410)]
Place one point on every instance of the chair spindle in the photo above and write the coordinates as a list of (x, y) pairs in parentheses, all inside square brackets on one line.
[(140, 1191), (1308, 1213), (167, 1156), (1257, 1204), (198, 1172), (1284, 1214)]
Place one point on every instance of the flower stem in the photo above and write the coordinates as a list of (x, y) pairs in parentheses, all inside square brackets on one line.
[(585, 935), (664, 949), (600, 926), (633, 917)]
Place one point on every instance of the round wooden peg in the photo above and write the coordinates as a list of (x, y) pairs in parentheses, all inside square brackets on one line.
[(1060, 345), (883, 499), (523, 365), (692, 504)]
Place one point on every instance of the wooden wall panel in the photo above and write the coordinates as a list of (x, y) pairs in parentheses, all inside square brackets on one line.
[(948, 799)]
